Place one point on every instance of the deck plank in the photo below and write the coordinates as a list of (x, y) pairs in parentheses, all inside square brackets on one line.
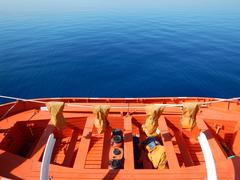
[(84, 144), (106, 149), (94, 156), (128, 143), (168, 145), (70, 151), (186, 155)]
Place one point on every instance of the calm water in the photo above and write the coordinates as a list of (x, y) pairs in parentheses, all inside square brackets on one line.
[(120, 49)]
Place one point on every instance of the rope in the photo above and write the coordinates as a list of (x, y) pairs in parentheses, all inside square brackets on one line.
[(6, 113), (21, 99), (117, 107)]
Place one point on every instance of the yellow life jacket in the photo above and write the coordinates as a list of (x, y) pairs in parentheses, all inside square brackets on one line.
[(157, 156)]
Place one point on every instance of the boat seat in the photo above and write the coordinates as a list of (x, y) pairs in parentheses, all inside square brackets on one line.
[(84, 144), (128, 143), (168, 145)]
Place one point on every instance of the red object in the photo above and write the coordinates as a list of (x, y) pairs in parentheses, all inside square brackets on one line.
[(80, 152)]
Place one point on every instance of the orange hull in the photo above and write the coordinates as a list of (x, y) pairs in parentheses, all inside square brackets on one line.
[(81, 153)]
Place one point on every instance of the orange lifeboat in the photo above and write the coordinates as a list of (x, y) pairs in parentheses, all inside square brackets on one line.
[(191, 138)]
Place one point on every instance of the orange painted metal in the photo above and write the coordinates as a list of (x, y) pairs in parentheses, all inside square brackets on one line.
[(81, 153), (128, 143), (84, 145), (168, 145)]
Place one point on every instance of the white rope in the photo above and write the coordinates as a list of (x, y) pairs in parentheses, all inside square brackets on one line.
[(133, 107), (117, 107), (220, 100), (21, 99), (6, 113)]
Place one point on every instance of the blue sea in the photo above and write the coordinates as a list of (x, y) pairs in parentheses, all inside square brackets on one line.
[(119, 48)]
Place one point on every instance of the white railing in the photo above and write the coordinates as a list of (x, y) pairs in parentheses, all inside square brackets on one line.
[(47, 157), (208, 156)]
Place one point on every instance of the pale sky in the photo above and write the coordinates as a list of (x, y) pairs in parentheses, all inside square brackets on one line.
[(123, 5)]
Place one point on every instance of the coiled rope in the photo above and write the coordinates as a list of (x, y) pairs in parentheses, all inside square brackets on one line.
[(135, 107)]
